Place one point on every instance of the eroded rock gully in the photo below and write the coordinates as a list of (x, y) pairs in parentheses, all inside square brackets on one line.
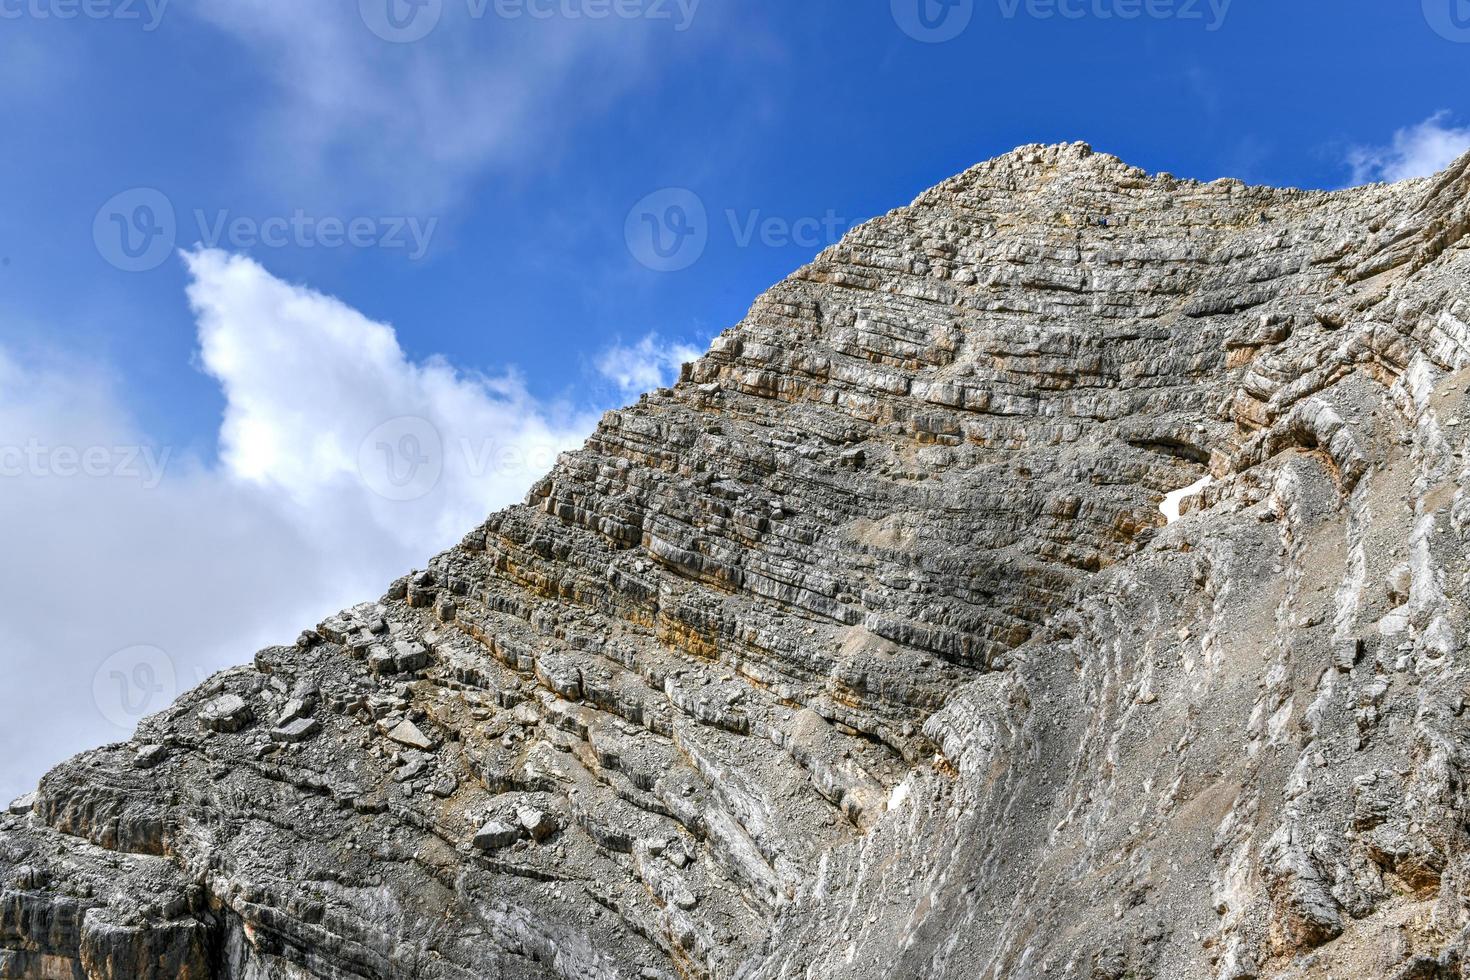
[(865, 651)]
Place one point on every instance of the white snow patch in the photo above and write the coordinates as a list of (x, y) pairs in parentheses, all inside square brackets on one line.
[(899, 796), (1170, 506)]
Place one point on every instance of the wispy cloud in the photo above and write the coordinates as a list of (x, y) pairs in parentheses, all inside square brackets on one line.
[(1420, 150), (342, 464), (650, 363), (411, 125)]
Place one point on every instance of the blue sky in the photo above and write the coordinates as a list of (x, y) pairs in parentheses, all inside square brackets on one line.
[(498, 171)]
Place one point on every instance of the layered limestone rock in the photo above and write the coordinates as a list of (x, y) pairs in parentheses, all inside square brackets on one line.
[(866, 651)]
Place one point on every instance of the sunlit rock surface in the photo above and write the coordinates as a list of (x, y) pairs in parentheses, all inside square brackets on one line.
[(867, 651)]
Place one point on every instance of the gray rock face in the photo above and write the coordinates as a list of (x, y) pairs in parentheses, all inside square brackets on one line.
[(495, 835), (865, 651), (226, 713)]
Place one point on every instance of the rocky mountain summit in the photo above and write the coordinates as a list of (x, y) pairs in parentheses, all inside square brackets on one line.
[(865, 651)]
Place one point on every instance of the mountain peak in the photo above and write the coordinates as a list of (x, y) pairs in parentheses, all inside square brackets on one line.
[(867, 650)]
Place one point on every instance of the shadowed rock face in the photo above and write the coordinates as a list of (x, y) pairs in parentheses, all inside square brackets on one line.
[(865, 650)]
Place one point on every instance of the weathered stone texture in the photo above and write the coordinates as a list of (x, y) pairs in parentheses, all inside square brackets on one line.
[(865, 650)]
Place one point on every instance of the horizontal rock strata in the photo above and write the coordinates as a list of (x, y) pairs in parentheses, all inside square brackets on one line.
[(865, 650)]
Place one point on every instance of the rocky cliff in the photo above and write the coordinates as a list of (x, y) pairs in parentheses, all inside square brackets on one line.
[(866, 650)]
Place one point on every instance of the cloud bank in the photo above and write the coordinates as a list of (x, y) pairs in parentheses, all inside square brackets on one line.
[(342, 464)]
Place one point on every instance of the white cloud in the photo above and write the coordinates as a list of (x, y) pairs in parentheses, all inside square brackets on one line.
[(320, 399), (409, 125), (1420, 150), (312, 505), (650, 363)]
